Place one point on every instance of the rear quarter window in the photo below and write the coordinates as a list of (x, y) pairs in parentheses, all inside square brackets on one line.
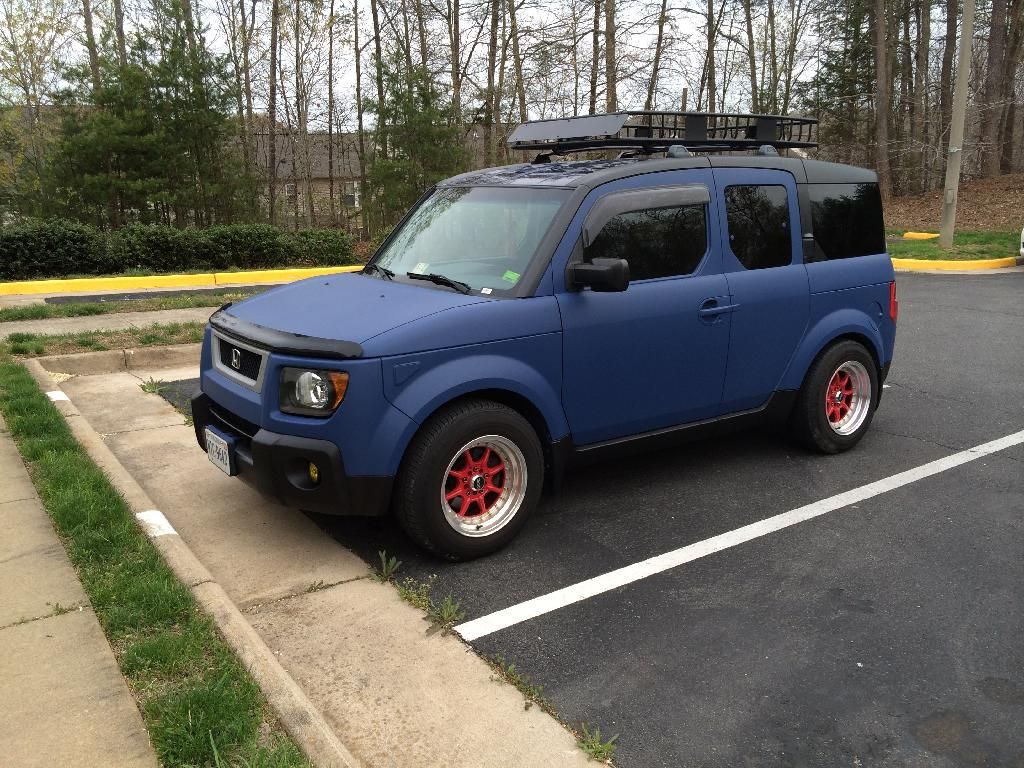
[(847, 220)]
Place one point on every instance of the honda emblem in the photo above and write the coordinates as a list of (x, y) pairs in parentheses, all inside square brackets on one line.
[(236, 358)]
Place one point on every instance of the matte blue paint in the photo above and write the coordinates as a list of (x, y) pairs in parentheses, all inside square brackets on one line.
[(347, 306), (771, 304), (594, 366)]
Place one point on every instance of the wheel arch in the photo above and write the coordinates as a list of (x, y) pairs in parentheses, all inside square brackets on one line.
[(517, 402), (846, 325)]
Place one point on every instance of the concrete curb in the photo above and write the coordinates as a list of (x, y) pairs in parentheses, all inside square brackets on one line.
[(300, 718), (200, 280), (114, 360), (955, 265)]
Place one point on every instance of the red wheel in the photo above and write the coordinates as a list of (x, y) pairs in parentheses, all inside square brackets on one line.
[(848, 397), (837, 399), (484, 485)]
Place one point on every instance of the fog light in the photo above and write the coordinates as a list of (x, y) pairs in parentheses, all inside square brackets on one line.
[(314, 473)]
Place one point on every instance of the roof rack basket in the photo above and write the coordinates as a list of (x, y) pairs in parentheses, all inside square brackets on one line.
[(657, 131)]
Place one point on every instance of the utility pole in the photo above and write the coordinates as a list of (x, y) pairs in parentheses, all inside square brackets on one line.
[(956, 129)]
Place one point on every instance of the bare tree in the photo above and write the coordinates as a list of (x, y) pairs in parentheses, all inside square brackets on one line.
[(882, 100), (610, 64), (275, 13), (994, 89), (596, 56)]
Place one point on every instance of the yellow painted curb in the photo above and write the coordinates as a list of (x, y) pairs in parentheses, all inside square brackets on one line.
[(278, 275), (954, 265), (205, 280), (919, 236)]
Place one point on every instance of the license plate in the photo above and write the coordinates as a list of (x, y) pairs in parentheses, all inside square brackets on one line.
[(219, 452)]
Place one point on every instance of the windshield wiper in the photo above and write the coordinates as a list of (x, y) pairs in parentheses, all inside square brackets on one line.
[(432, 277), (384, 271)]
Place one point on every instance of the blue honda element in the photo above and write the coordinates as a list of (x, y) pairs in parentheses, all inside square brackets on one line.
[(522, 318)]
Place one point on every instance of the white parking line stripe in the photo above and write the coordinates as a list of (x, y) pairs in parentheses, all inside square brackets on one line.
[(155, 524), (507, 617), (57, 395)]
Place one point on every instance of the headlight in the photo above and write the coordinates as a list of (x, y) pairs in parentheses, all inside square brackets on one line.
[(312, 392)]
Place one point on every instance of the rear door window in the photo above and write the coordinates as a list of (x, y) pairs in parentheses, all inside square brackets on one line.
[(758, 221), (847, 220), (657, 242)]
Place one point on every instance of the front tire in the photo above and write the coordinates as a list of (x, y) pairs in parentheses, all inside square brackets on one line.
[(838, 399), (469, 480)]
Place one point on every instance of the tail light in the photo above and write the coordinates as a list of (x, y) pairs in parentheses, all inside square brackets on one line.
[(894, 304)]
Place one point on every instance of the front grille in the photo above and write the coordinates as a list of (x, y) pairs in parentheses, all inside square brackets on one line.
[(233, 423), (243, 361)]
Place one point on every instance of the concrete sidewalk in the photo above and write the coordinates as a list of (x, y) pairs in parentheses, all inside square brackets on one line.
[(63, 700), (113, 322)]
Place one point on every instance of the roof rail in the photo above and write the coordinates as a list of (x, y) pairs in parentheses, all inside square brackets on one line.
[(657, 131)]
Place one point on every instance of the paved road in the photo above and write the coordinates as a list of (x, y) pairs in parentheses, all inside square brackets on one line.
[(887, 633)]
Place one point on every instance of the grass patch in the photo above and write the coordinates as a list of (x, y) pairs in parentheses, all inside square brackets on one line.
[(36, 344), (966, 245), (200, 705), (594, 745), (85, 309)]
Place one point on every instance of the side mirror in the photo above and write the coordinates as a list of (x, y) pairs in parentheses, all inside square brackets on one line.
[(604, 275)]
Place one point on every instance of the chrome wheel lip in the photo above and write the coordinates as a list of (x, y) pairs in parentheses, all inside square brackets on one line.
[(860, 405), (506, 506)]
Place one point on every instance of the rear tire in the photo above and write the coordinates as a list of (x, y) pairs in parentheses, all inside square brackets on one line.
[(838, 399), (469, 480)]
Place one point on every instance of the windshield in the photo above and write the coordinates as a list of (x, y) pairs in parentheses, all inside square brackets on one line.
[(484, 237)]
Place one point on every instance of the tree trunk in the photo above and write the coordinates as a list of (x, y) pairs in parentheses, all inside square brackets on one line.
[(748, 17), (122, 51), (994, 90), (946, 84), (773, 59), (920, 138), (610, 73), (652, 83), (596, 57), (360, 133), (455, 42), (381, 130), (709, 61), (517, 61), (492, 62), (275, 12), (90, 44), (1011, 64), (330, 118), (248, 27), (882, 101), (421, 27)]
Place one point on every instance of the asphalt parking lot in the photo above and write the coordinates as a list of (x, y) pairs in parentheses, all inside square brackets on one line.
[(886, 632)]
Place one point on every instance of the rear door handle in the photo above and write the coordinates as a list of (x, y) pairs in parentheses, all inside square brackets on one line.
[(711, 309)]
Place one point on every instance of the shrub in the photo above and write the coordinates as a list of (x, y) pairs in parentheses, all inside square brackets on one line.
[(52, 248), (57, 248)]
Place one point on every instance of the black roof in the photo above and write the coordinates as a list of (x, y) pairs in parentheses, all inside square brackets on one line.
[(592, 173)]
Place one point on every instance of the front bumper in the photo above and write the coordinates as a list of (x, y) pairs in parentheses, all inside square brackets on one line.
[(278, 466)]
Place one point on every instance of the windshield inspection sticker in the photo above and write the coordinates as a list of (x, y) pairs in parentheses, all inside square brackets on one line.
[(511, 276), (485, 290), (421, 268)]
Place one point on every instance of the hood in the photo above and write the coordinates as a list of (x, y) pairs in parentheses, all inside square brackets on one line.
[(346, 307)]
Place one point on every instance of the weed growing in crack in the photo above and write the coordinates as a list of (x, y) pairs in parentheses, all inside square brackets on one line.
[(153, 386), (389, 565), (595, 746)]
